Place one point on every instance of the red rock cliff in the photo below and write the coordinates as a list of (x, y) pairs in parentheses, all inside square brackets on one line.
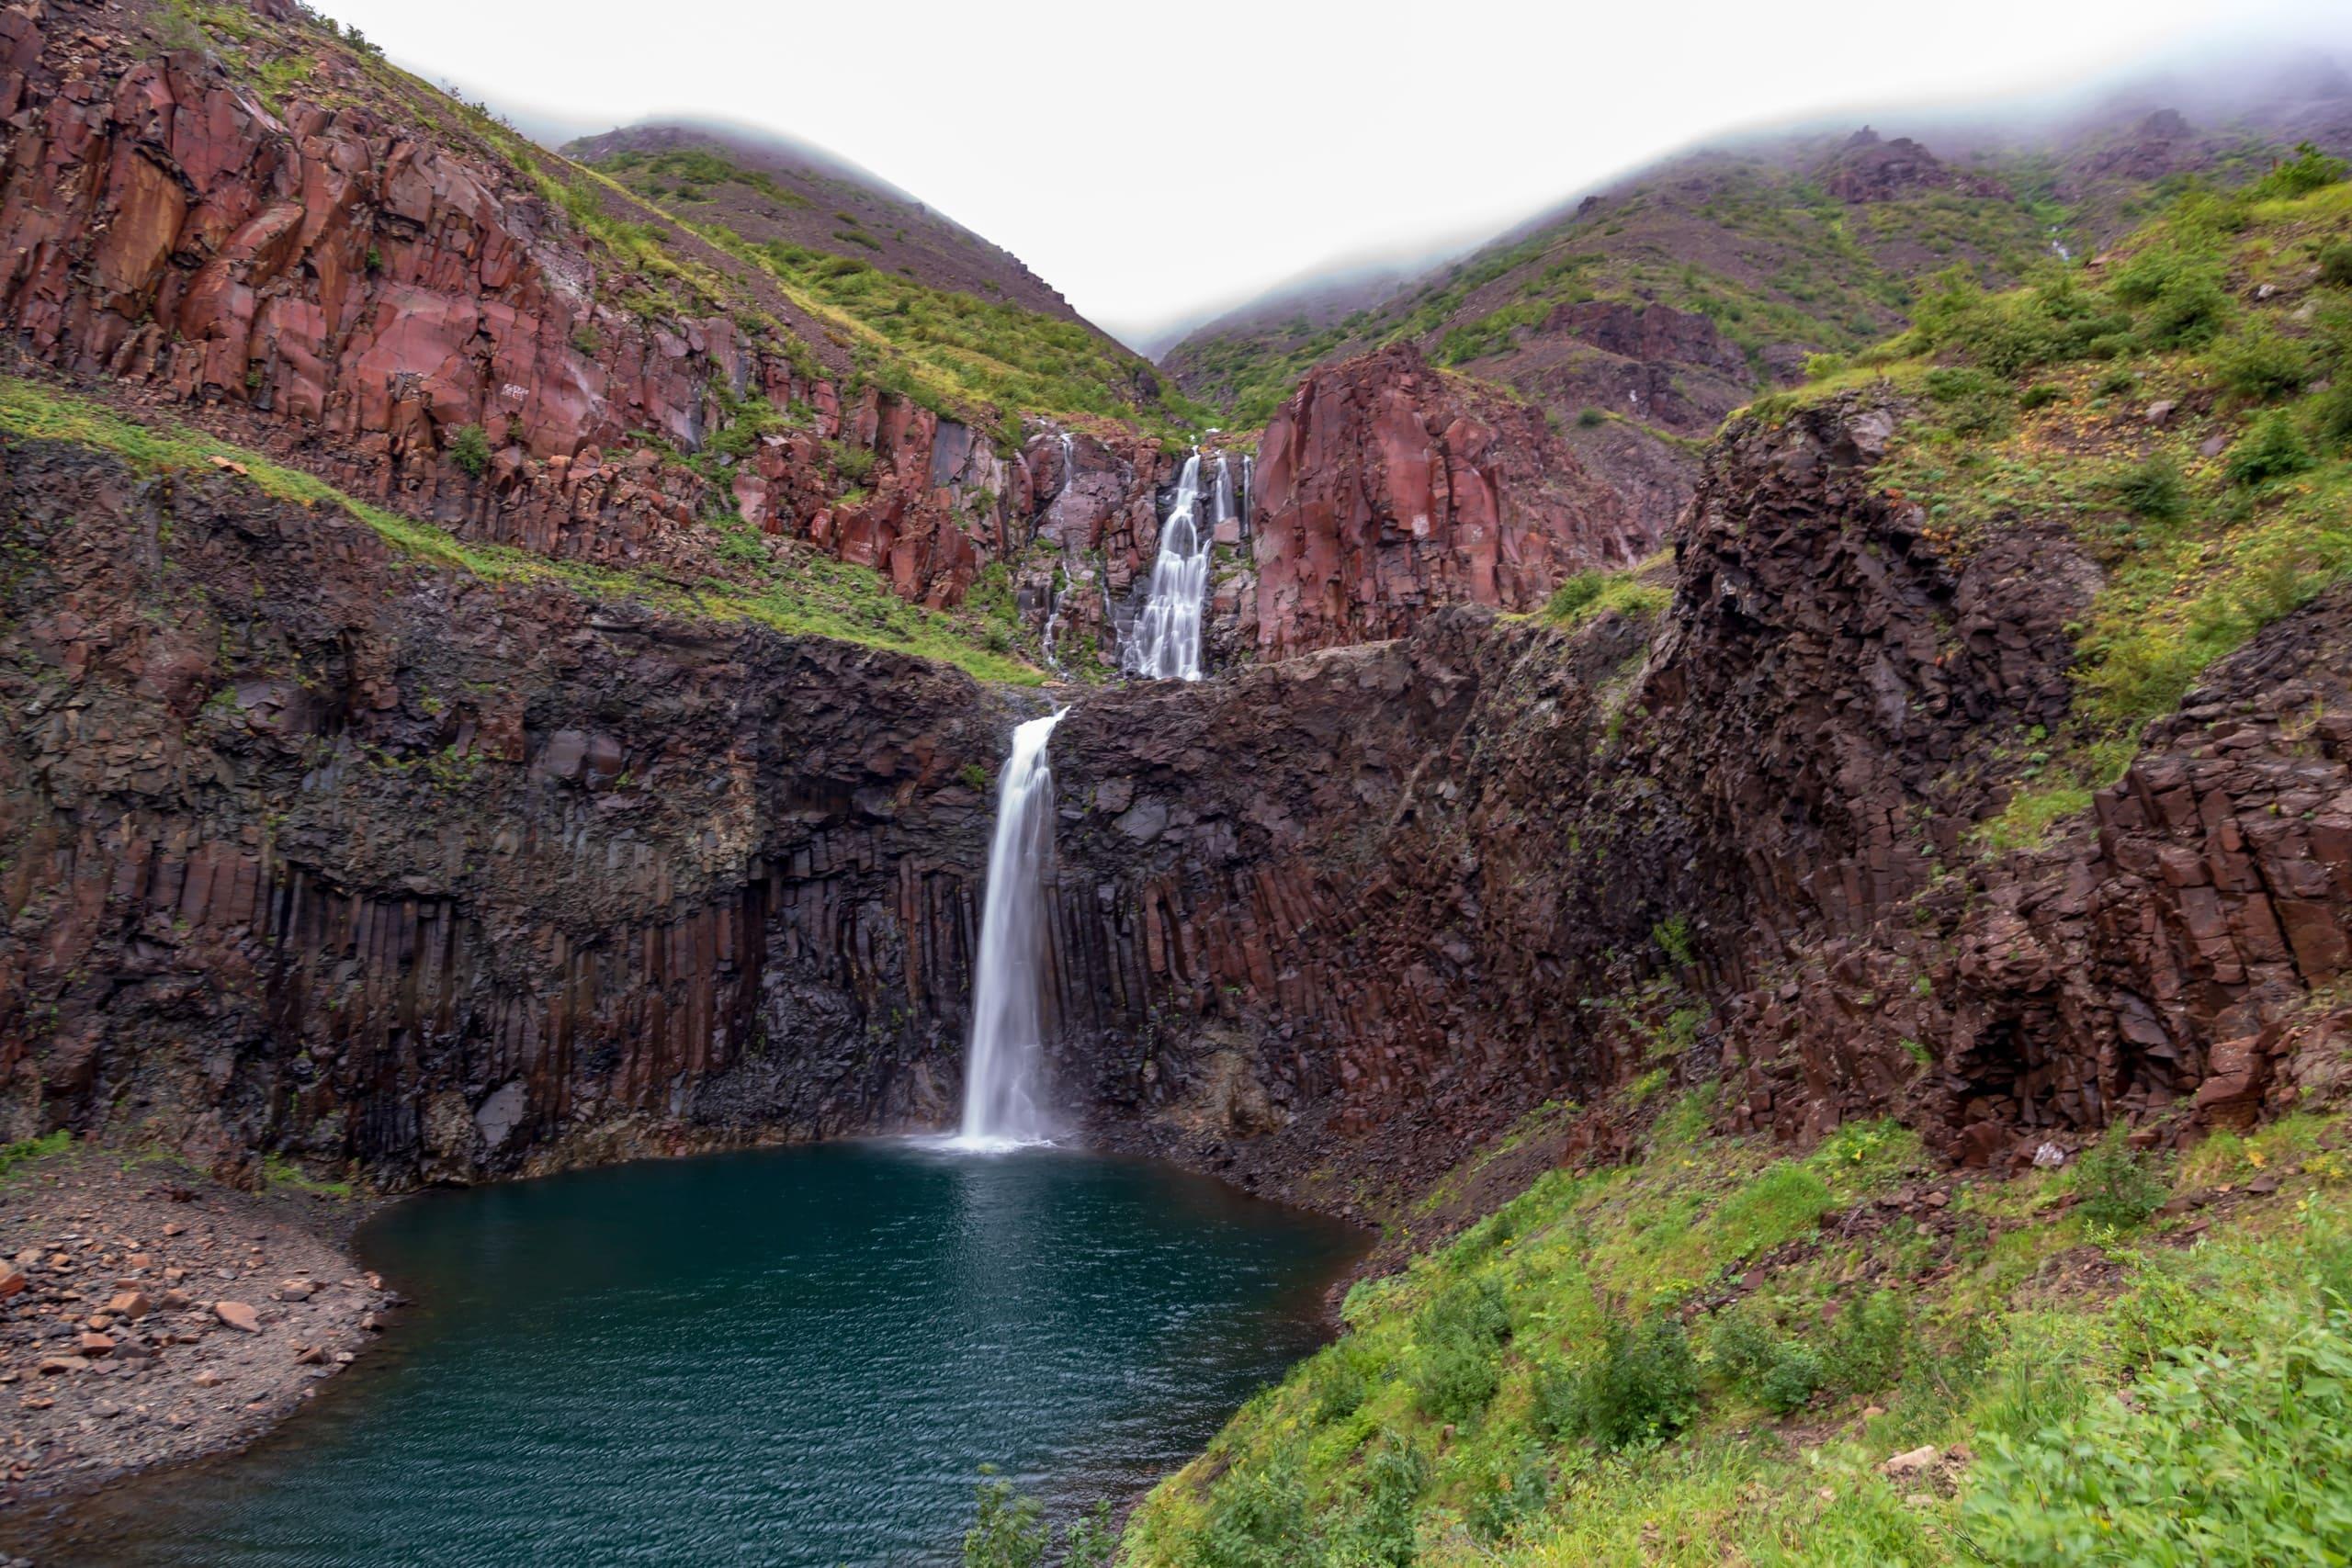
[(356, 275), (1387, 488)]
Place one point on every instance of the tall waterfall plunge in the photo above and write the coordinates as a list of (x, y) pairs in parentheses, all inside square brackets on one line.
[(1002, 1097), (1165, 642)]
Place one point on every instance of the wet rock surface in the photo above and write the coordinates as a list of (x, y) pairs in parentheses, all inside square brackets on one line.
[(354, 860), (347, 856)]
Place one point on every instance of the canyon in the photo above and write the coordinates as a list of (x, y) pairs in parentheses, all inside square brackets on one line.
[(366, 860), (515, 661)]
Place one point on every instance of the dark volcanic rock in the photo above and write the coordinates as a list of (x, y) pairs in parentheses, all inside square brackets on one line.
[(311, 848)]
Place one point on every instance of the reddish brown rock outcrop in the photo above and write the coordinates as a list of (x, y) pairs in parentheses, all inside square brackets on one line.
[(350, 280), (359, 860), (1867, 168), (1386, 490)]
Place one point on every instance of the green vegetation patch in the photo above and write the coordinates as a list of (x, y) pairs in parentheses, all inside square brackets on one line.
[(25, 1151), (1711, 1354)]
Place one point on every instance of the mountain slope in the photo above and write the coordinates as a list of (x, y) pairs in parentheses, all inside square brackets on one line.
[(1644, 313), (770, 187), (2001, 714)]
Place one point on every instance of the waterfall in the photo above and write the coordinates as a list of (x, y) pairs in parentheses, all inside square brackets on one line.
[(1054, 588), (1002, 1094), (1165, 642), (1224, 492), (1249, 478)]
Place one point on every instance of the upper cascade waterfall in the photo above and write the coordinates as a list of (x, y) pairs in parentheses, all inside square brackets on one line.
[(1002, 1095), (1165, 642), (1224, 492), (1054, 583)]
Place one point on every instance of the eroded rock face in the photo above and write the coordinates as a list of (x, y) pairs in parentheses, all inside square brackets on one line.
[(354, 859), (1386, 490), (348, 286), (349, 857)]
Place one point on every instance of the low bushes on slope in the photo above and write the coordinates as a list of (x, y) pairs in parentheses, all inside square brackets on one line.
[(1710, 1355)]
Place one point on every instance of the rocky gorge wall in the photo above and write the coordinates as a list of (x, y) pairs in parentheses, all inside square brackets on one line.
[(311, 848)]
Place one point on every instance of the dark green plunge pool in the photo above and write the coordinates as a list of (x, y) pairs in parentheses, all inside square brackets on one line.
[(797, 1355)]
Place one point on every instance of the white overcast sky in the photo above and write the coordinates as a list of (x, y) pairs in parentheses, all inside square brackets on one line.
[(1158, 164)]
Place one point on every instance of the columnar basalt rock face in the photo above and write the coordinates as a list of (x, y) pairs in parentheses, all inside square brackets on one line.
[(1395, 896), (348, 286), (1388, 489), (356, 858)]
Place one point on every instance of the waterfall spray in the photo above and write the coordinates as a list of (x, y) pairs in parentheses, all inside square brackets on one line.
[(1003, 1097)]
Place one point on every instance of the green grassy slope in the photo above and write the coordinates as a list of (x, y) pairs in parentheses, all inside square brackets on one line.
[(1752, 239), (2184, 409)]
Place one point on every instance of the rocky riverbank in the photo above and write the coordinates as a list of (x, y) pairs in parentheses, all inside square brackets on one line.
[(150, 1315)]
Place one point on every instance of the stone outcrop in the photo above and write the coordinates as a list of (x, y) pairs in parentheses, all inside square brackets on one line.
[(1387, 489), (349, 281), (1870, 168), (314, 849)]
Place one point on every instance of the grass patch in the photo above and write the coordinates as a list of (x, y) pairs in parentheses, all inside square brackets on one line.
[(278, 1171), (1591, 593), (25, 1151), (1619, 1414)]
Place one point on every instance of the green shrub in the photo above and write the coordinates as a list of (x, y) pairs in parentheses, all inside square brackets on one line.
[(1341, 1384), (2183, 301), (2336, 263), (2114, 1185), (2236, 1455), (1378, 1530), (1094, 1541), (854, 464), (1498, 1506), (2040, 395), (2153, 490), (1791, 1379), (2309, 170), (1589, 416), (1009, 1532), (1258, 1518), (1457, 1349), (1867, 1343), (1742, 1343), (469, 449), (2331, 417), (1641, 1387), (2260, 363), (2272, 448)]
